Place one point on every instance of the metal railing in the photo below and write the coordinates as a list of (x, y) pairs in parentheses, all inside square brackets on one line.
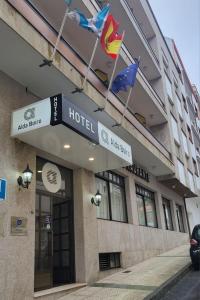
[(141, 31)]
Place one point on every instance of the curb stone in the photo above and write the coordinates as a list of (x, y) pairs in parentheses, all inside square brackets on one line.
[(163, 289)]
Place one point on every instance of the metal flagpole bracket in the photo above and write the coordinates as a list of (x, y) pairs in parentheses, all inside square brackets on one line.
[(77, 90), (46, 62), (117, 125), (99, 109)]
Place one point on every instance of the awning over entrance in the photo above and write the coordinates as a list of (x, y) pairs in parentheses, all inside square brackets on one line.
[(178, 187), (57, 126)]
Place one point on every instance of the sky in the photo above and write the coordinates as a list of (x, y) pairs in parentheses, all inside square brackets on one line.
[(180, 20)]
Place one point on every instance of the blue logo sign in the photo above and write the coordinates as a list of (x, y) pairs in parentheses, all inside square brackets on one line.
[(3, 186)]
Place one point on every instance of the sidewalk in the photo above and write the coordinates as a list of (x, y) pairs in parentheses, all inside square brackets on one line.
[(139, 281)]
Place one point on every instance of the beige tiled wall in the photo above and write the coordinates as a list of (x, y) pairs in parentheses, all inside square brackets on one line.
[(16, 252)]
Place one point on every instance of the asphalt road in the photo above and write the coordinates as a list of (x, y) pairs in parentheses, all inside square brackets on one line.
[(188, 288)]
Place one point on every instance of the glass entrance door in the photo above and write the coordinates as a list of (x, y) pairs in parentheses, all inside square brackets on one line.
[(54, 240)]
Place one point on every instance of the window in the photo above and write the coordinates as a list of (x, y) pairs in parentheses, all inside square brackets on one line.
[(113, 204), (195, 167), (169, 87), (187, 160), (175, 81), (181, 172), (185, 144), (189, 133), (184, 103), (179, 215), (109, 261), (179, 72), (191, 181), (197, 234), (177, 149), (167, 214), (178, 101), (146, 207), (175, 129)]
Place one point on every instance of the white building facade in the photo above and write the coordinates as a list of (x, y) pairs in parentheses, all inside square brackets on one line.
[(52, 237)]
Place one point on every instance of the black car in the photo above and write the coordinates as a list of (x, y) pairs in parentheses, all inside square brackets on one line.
[(195, 247)]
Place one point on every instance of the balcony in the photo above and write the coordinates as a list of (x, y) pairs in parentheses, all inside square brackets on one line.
[(33, 41), (73, 35), (138, 44)]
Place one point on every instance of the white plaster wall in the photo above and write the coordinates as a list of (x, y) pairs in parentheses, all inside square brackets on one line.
[(193, 209)]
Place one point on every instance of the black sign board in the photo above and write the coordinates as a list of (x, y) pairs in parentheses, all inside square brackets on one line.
[(65, 112), (56, 109), (134, 169)]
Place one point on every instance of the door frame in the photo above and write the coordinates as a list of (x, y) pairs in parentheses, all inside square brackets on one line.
[(71, 223)]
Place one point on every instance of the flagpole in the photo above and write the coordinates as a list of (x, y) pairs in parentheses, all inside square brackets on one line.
[(127, 102), (60, 33), (113, 73), (90, 63), (126, 106), (49, 61)]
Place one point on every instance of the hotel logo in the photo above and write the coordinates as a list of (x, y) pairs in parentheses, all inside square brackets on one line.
[(29, 114), (51, 177)]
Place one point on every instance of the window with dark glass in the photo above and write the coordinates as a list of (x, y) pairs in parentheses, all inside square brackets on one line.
[(113, 204), (184, 103), (109, 261), (146, 207), (167, 214), (179, 214), (189, 133), (195, 167)]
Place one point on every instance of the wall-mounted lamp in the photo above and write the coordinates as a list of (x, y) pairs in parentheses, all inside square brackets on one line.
[(25, 179), (96, 200)]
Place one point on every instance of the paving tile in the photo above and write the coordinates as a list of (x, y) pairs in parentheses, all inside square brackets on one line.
[(140, 282)]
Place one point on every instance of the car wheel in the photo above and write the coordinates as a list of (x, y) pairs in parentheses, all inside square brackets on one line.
[(196, 267)]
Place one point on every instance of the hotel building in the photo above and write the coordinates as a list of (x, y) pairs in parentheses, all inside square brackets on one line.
[(53, 238)]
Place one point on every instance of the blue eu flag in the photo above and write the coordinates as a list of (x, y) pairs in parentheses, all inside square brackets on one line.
[(68, 2), (125, 78)]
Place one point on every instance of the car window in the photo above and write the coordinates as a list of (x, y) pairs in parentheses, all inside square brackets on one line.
[(197, 234)]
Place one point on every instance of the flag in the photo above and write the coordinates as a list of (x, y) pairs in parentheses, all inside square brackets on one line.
[(68, 2), (94, 24), (110, 39), (125, 78)]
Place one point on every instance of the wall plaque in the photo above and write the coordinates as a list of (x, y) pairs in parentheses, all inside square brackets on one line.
[(18, 226)]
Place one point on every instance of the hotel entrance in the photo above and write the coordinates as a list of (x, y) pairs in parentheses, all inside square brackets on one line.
[(54, 237)]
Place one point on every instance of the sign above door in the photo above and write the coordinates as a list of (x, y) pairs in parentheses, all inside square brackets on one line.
[(55, 122)]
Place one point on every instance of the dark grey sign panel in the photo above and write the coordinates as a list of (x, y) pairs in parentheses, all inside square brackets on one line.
[(76, 119), (56, 109), (65, 112)]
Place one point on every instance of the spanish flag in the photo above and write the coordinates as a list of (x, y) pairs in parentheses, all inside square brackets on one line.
[(110, 39)]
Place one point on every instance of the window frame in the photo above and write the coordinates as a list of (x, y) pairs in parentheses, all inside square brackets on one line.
[(179, 211), (144, 206), (122, 185), (167, 203)]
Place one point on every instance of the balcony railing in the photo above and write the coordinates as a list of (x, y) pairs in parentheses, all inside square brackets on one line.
[(156, 96), (141, 31), (139, 27), (39, 19)]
